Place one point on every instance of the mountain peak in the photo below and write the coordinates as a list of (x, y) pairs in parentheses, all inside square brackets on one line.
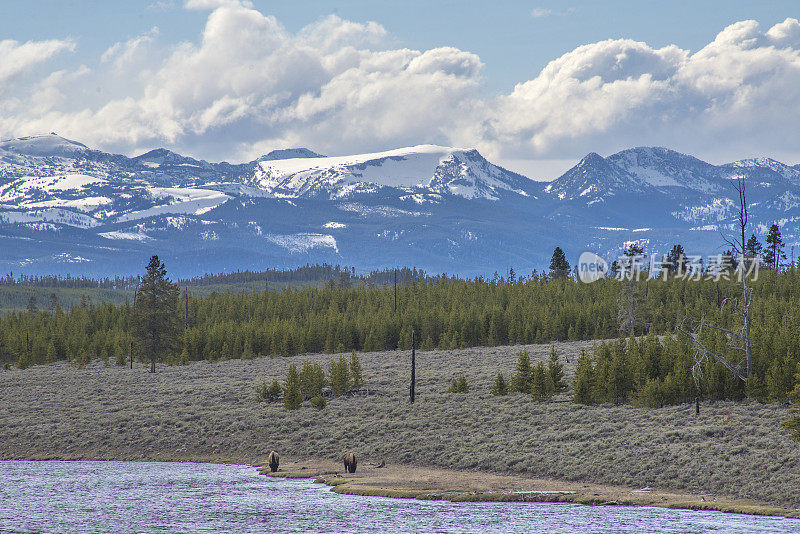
[(162, 156), (418, 169), (50, 144), (290, 153)]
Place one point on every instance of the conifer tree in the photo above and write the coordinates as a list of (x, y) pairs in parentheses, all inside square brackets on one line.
[(521, 381), (793, 423), (775, 245), (541, 386), (355, 372), (584, 386), (292, 395), (555, 371), (155, 314), (339, 376), (459, 385), (274, 391), (559, 266), (312, 380), (500, 386), (753, 249), (676, 260)]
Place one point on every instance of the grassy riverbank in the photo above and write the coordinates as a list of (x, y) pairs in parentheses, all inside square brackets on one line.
[(207, 411), (430, 483)]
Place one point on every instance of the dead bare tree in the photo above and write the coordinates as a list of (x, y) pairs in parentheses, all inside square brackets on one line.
[(629, 307), (738, 339)]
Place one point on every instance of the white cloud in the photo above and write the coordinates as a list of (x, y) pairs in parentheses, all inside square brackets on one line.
[(214, 4), (248, 85), (20, 57), (540, 12), (737, 94)]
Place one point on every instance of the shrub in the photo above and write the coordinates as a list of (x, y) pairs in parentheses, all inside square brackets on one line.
[(268, 393), (500, 386), (459, 385), (275, 390), (318, 402)]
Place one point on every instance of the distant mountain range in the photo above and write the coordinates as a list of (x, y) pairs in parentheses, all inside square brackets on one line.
[(65, 208)]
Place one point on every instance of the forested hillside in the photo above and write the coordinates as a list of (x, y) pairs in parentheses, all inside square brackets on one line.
[(448, 313)]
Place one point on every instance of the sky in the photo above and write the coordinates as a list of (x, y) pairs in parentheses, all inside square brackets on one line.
[(534, 86)]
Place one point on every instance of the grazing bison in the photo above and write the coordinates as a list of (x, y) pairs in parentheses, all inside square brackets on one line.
[(273, 460), (350, 462)]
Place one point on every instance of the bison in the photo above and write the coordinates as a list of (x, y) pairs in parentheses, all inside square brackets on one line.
[(350, 462), (273, 460)]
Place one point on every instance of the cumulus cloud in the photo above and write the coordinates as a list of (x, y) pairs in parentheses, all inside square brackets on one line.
[(248, 85), (738, 93)]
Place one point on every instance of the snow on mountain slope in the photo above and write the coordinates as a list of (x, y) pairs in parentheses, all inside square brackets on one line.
[(765, 166), (440, 208), (661, 167), (43, 145), (290, 153), (433, 168), (176, 200), (595, 179)]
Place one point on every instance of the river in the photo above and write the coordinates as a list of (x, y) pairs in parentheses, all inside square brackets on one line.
[(160, 497)]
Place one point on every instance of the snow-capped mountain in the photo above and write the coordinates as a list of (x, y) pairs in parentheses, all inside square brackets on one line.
[(420, 170), (67, 208)]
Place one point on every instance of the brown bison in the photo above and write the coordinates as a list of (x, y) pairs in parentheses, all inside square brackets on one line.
[(350, 462), (273, 460)]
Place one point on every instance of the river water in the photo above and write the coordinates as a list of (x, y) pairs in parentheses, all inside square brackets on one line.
[(156, 497)]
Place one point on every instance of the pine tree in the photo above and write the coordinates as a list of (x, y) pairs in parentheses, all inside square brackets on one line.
[(274, 391), (584, 387), (500, 387), (775, 245), (312, 380), (753, 249), (292, 395), (155, 315), (676, 260), (355, 372), (555, 371), (339, 376), (793, 423), (459, 385), (559, 266), (541, 386), (521, 381)]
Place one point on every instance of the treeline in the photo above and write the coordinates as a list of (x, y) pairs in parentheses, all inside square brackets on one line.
[(444, 313), (338, 275), (309, 274), (127, 283)]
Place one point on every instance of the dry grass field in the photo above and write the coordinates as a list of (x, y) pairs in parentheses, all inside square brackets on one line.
[(208, 411)]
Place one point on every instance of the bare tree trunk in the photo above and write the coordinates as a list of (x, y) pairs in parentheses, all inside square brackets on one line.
[(413, 366), (738, 340)]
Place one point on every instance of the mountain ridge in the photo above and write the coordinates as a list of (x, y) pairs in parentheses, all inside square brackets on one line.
[(66, 206)]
